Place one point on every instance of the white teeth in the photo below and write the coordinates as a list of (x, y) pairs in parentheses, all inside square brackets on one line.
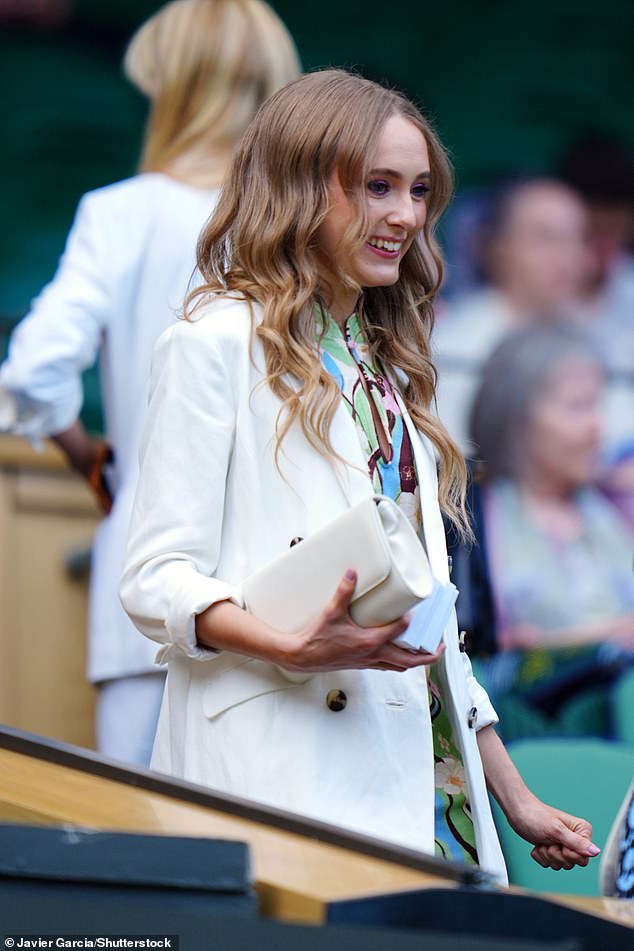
[(385, 245)]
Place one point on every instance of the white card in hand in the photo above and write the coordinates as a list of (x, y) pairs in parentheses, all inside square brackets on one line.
[(429, 619)]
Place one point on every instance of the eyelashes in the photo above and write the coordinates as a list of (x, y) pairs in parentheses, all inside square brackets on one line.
[(378, 187)]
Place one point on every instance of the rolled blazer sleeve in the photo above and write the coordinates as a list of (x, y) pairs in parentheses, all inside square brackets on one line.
[(479, 698), (40, 382), (175, 533)]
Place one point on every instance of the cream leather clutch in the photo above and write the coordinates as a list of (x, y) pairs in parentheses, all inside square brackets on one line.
[(375, 539)]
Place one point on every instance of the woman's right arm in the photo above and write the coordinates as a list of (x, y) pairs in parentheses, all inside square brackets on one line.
[(40, 382), (169, 585), (174, 538), (332, 642)]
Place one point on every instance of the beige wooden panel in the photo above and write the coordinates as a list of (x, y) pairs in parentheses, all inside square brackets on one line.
[(59, 492), (8, 606), (618, 910), (45, 513), (18, 453), (295, 876), (54, 700)]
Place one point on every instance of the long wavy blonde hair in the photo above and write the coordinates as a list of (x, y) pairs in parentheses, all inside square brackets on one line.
[(262, 243), (206, 66)]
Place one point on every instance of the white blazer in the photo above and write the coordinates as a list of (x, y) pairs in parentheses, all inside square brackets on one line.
[(120, 282), (211, 508)]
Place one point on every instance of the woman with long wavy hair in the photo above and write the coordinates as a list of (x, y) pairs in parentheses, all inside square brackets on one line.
[(299, 383)]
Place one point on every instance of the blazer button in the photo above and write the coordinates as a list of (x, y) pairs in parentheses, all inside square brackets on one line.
[(472, 717), (336, 700)]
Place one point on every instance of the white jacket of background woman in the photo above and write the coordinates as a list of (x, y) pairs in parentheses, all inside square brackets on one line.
[(121, 280)]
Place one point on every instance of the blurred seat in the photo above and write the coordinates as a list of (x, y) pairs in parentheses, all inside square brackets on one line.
[(622, 703), (586, 777)]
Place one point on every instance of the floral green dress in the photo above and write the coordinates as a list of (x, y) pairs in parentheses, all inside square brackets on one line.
[(372, 403)]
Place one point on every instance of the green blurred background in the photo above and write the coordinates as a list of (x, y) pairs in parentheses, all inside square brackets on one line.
[(509, 84)]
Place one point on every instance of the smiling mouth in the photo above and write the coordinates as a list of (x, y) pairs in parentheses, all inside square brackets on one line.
[(382, 244)]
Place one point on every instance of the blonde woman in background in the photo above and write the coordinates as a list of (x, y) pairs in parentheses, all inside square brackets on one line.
[(206, 66)]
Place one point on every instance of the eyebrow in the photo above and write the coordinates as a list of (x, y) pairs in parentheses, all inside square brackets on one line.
[(392, 173)]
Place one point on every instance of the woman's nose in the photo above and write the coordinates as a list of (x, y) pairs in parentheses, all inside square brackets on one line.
[(404, 212)]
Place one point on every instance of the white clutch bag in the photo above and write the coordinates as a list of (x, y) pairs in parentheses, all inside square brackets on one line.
[(375, 539)]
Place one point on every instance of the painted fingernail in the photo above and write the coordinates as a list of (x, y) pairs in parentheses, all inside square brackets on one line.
[(350, 575), (593, 849)]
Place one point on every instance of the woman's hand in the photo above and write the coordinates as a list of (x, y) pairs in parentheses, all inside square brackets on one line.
[(560, 840), (335, 642), (88, 456), (332, 642)]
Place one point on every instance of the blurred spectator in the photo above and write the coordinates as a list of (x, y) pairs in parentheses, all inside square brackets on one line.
[(36, 14), (618, 482), (601, 170), (557, 557), (532, 253), (461, 226), (206, 66)]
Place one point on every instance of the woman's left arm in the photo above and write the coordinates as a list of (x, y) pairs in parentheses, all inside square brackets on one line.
[(560, 840)]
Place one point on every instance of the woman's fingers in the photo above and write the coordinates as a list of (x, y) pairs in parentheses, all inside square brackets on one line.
[(567, 842), (573, 835), (544, 856), (556, 857), (570, 859), (340, 602), (339, 607), (335, 642), (392, 657)]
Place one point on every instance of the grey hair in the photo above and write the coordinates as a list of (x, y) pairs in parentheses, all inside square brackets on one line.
[(513, 379)]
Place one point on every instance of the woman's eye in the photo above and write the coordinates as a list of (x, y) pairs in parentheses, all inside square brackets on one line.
[(420, 190), (378, 187)]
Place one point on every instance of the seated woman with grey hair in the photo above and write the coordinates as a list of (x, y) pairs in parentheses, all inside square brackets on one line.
[(557, 554)]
